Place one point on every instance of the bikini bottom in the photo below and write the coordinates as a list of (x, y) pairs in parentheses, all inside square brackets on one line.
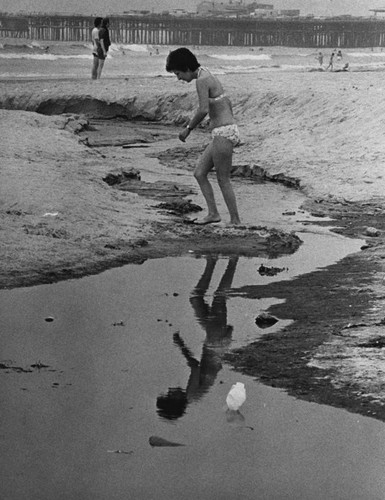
[(230, 132)]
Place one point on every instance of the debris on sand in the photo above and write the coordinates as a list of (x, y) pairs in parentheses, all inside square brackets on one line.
[(8, 366), (376, 343), (123, 175), (179, 206), (39, 365), (265, 320), (372, 231), (122, 452), (236, 396), (18, 369), (269, 271), (158, 441)]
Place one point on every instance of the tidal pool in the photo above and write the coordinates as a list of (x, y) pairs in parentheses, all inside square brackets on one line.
[(135, 352)]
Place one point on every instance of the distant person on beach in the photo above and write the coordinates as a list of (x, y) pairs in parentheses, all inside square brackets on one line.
[(339, 55), (225, 135), (105, 42), (96, 47), (331, 61), (320, 58), (345, 67)]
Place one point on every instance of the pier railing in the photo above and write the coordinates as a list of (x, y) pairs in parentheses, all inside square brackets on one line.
[(166, 30)]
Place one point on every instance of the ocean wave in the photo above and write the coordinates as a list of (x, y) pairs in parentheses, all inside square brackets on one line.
[(312, 54), (242, 57), (16, 46), (294, 67), (31, 75), (119, 47), (44, 57), (244, 69), (366, 54), (123, 48), (264, 67)]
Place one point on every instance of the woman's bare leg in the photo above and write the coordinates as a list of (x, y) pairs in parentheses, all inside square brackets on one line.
[(222, 154), (100, 67), (201, 172), (95, 64)]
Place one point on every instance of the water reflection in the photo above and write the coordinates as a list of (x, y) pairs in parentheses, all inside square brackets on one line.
[(234, 417), (213, 319)]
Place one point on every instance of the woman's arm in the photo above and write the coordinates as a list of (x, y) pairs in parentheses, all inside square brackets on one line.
[(103, 46), (201, 112), (203, 97), (102, 34)]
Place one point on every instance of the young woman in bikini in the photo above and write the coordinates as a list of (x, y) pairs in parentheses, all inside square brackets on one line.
[(225, 135)]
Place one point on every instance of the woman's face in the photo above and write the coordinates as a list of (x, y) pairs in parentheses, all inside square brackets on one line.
[(186, 76)]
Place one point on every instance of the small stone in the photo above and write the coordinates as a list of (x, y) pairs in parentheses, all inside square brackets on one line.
[(372, 231), (265, 320)]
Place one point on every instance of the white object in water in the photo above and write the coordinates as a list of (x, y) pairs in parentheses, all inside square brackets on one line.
[(236, 396)]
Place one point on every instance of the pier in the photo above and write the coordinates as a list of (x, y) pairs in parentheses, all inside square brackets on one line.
[(189, 31)]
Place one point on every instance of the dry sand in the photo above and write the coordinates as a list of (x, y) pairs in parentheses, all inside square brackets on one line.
[(322, 131)]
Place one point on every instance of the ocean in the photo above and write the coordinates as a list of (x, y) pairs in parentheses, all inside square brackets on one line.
[(58, 60)]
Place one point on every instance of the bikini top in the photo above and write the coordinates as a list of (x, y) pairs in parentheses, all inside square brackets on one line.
[(217, 98)]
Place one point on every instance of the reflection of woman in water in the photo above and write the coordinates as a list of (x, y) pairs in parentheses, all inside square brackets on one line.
[(218, 337), (331, 61)]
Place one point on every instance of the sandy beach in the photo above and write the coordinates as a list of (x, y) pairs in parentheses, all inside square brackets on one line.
[(94, 177)]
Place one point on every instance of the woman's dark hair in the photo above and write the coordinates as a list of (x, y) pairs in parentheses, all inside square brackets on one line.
[(181, 60), (105, 22), (98, 21)]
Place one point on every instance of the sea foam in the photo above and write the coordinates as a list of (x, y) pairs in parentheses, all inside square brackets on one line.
[(45, 57), (366, 54), (242, 57)]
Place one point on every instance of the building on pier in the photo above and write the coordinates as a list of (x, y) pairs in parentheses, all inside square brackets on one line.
[(378, 11), (232, 9)]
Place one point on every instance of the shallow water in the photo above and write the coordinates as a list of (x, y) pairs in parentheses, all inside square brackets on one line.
[(119, 343)]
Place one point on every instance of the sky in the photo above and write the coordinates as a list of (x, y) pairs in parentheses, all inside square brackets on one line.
[(103, 7)]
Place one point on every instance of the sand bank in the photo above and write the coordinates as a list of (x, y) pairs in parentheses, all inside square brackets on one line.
[(321, 130)]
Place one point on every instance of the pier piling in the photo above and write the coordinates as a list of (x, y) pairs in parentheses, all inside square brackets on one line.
[(167, 30)]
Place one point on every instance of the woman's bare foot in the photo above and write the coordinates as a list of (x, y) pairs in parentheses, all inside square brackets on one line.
[(209, 219)]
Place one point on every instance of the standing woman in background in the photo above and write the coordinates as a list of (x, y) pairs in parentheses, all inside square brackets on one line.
[(96, 48), (105, 42), (224, 132)]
